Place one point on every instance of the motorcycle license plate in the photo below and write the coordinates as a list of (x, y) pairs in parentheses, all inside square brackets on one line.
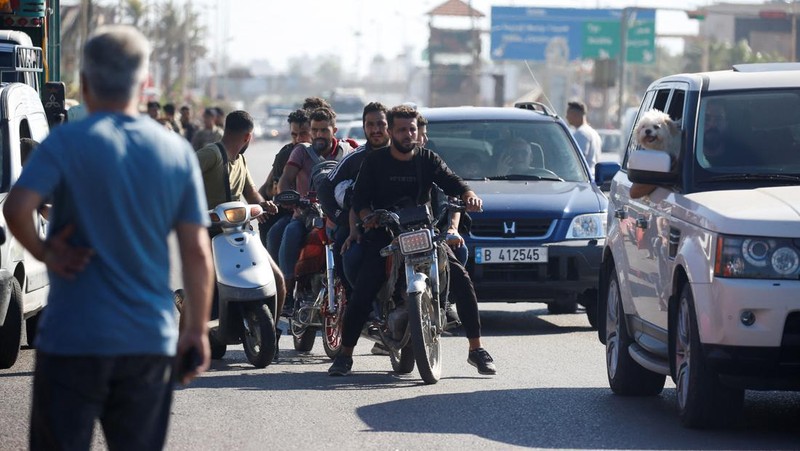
[(489, 255)]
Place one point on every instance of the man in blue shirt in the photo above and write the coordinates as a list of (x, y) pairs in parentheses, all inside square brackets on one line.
[(120, 183)]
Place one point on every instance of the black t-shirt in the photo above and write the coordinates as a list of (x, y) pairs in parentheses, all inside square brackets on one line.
[(280, 161), (384, 182)]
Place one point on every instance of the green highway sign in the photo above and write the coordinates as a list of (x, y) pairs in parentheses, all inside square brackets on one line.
[(601, 40)]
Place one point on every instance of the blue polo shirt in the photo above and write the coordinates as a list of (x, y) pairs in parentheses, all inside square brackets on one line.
[(125, 182)]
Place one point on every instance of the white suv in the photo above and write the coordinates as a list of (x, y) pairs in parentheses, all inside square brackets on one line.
[(701, 278)]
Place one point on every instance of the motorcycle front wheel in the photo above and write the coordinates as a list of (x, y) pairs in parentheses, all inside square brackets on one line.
[(332, 322), (259, 335), (425, 336)]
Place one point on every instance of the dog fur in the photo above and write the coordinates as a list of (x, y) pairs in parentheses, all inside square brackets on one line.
[(656, 131)]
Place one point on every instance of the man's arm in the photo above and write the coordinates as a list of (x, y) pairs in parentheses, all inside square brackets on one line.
[(195, 252), (59, 256), (266, 188), (288, 178)]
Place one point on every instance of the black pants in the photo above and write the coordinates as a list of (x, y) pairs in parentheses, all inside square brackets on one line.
[(130, 395), (372, 275)]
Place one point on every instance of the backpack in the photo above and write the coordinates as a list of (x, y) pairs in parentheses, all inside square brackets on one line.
[(322, 166)]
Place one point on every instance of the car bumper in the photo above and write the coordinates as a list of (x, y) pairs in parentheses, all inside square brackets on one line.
[(572, 268), (721, 304), (756, 368)]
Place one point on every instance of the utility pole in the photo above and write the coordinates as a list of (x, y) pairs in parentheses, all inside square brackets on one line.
[(623, 55)]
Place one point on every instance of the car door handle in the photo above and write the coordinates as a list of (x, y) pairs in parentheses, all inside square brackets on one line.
[(642, 223), (620, 213)]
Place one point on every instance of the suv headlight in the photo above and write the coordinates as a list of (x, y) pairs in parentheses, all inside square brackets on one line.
[(756, 258), (585, 227)]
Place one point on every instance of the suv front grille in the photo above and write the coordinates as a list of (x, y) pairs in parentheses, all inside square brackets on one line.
[(557, 269), (513, 228)]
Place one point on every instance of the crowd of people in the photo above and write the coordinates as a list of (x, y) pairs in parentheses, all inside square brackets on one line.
[(110, 356)]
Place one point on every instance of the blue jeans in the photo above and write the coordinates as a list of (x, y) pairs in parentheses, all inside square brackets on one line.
[(130, 395), (294, 237), (275, 236)]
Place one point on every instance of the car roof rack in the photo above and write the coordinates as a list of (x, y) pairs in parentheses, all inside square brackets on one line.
[(535, 106), (765, 67)]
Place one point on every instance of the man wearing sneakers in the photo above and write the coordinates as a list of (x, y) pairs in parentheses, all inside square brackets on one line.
[(405, 170), (334, 196)]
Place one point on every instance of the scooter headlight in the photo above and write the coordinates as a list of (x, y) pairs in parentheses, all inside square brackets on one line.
[(415, 242), (236, 215)]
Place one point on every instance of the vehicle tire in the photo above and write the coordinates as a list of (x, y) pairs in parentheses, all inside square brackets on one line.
[(178, 297), (403, 361), (563, 306), (425, 336), (625, 376), (304, 342), (332, 322), (703, 401), (218, 348), (590, 304), (11, 330), (259, 340), (32, 326)]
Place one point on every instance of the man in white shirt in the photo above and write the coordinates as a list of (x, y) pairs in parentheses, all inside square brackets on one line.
[(588, 139)]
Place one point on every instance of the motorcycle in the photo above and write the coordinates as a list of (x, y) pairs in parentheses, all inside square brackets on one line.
[(409, 315), (319, 294), (245, 284)]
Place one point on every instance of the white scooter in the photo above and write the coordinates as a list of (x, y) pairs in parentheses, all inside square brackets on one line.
[(246, 286)]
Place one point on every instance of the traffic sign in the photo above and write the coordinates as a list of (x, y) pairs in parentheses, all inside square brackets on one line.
[(520, 33)]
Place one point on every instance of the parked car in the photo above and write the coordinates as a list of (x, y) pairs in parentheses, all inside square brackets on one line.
[(699, 280), (542, 228), (24, 284)]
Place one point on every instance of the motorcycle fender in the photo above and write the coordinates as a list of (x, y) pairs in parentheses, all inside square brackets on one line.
[(417, 282), (5, 294)]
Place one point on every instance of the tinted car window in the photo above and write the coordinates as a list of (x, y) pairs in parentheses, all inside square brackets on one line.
[(754, 132), (474, 150)]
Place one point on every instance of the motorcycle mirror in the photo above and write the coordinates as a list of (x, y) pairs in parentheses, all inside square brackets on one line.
[(288, 197)]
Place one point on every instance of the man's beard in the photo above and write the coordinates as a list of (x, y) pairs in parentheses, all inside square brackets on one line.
[(378, 142), (320, 145), (402, 148)]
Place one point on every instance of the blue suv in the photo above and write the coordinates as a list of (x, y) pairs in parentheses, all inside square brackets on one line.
[(542, 231)]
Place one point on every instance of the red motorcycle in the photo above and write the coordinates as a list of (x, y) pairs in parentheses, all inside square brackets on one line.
[(319, 294)]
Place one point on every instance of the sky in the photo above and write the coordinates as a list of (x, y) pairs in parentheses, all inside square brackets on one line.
[(357, 30)]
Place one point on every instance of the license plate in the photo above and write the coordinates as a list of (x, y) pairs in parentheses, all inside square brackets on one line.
[(488, 255)]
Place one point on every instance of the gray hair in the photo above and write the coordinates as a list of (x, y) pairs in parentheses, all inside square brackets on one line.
[(115, 62)]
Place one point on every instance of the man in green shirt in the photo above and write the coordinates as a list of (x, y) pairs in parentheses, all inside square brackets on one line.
[(235, 139)]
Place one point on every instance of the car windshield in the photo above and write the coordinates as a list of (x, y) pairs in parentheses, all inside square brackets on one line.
[(506, 150), (749, 136)]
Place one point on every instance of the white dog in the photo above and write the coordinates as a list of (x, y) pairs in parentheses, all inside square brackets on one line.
[(656, 131)]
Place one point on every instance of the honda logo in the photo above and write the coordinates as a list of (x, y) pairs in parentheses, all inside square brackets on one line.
[(509, 228)]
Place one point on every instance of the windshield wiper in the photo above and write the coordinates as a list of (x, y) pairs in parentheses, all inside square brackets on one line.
[(755, 178), (523, 177)]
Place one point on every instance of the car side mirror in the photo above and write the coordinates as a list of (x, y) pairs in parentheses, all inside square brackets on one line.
[(652, 167), (603, 173)]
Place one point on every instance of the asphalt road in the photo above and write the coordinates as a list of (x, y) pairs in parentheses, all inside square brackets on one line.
[(550, 392)]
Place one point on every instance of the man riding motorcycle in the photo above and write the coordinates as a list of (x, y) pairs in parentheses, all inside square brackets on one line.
[(405, 171)]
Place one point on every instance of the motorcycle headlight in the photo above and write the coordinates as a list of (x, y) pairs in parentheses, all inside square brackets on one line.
[(414, 242), (584, 227), (236, 215), (756, 258)]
